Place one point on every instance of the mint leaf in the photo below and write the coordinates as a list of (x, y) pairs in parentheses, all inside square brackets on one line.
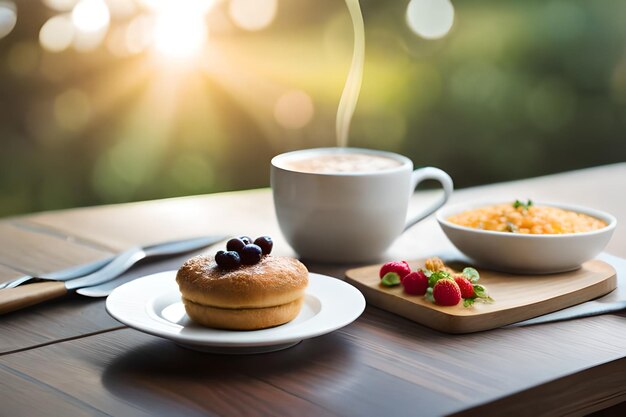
[(429, 295), (479, 290), (481, 293), (391, 279), (436, 276), (467, 302), (427, 272), (471, 274)]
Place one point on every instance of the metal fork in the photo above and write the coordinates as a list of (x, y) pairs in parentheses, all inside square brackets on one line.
[(124, 260), (70, 273)]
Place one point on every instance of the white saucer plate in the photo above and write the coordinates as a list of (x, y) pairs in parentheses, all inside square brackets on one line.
[(152, 304)]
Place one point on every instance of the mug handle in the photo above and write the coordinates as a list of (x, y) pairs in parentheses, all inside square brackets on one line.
[(430, 173)]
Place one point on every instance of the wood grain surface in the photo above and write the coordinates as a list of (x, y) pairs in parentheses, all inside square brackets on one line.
[(379, 365), (517, 297), (122, 226), (34, 253), (580, 394), (65, 318), (68, 357), (7, 273), (72, 316)]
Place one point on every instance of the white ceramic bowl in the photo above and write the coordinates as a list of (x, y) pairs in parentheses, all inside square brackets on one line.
[(522, 253)]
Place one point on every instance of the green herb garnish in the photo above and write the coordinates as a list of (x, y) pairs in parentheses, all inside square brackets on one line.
[(524, 206), (481, 293), (429, 295), (471, 274), (391, 279), (436, 276), (468, 302)]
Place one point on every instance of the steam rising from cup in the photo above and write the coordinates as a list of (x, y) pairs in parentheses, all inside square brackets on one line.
[(430, 19), (350, 94)]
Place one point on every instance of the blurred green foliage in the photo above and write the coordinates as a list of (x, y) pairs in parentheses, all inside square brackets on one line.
[(516, 89)]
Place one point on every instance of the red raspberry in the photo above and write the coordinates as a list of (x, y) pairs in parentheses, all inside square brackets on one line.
[(446, 292), (467, 289), (401, 268), (415, 283)]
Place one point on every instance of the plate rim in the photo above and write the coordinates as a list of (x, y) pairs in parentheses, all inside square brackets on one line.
[(357, 305)]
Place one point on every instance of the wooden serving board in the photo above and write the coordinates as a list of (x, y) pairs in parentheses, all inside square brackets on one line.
[(517, 297)]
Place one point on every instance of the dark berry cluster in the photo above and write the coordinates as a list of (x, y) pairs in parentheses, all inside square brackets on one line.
[(241, 250)]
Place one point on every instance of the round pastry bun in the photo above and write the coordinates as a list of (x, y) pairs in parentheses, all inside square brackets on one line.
[(242, 318), (257, 296)]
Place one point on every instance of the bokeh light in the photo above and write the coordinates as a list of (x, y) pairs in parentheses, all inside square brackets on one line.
[(160, 98), (430, 19), (201, 6), (57, 33), (294, 109), (139, 33), (61, 5), (253, 14), (116, 42), (121, 9), (85, 41), (180, 32), (91, 15), (8, 17)]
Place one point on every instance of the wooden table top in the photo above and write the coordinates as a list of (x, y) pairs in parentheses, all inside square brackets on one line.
[(68, 357)]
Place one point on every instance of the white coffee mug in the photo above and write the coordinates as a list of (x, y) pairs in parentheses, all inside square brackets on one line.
[(348, 216)]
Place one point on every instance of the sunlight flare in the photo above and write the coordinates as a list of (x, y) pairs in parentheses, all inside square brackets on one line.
[(91, 15), (180, 32)]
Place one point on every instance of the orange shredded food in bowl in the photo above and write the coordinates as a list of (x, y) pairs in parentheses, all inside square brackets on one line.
[(527, 219)]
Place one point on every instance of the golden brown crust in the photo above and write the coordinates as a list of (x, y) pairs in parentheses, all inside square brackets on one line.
[(272, 282), (243, 318)]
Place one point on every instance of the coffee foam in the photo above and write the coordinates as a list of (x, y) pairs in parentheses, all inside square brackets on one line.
[(341, 163)]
